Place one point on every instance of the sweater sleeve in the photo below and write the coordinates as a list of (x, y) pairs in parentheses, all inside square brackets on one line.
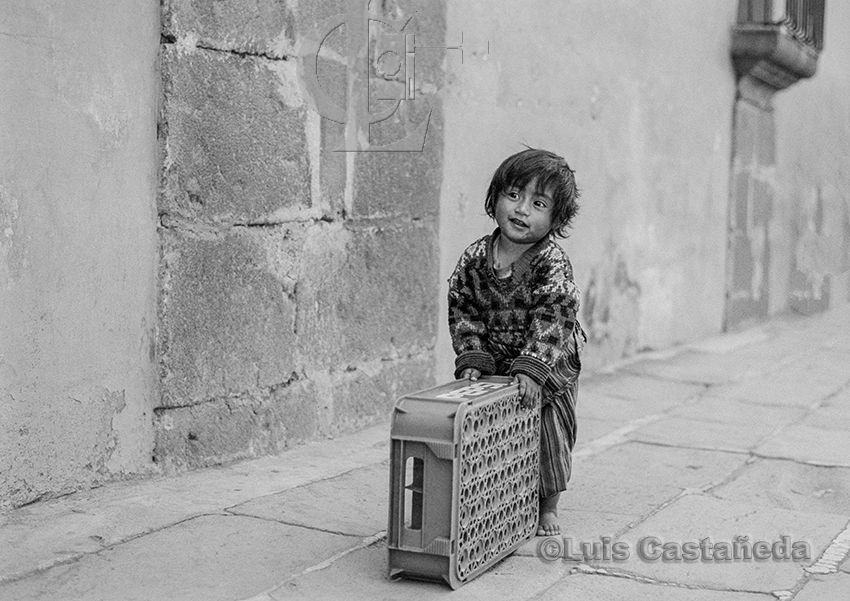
[(466, 324), (555, 303)]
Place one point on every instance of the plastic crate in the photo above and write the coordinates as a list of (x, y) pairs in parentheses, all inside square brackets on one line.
[(464, 463)]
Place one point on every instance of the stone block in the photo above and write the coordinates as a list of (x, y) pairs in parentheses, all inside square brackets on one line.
[(635, 479), (234, 137), (366, 293), (740, 213), (259, 27), (362, 397), (406, 183), (619, 410), (718, 423), (766, 149), (226, 318), (789, 485), (743, 263), (834, 414), (262, 422), (333, 79), (652, 394), (333, 166), (239, 427), (213, 557), (686, 367), (817, 376), (825, 587), (762, 203), (591, 428), (808, 444), (360, 503), (693, 518), (399, 183), (747, 134), (698, 434), (308, 15), (332, 160)]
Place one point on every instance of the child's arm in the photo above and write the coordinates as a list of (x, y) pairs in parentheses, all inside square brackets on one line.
[(555, 303), (466, 325)]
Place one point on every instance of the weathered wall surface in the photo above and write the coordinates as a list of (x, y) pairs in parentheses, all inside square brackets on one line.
[(296, 283), (639, 101), (78, 178), (809, 227)]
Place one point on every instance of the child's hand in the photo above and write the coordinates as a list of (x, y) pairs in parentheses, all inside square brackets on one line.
[(529, 390), (470, 374)]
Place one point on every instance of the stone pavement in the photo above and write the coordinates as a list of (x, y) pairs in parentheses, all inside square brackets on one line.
[(742, 435)]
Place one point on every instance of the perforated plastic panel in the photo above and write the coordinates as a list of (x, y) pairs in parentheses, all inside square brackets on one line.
[(463, 479)]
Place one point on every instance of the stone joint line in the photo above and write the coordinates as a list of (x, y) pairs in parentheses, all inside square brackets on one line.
[(834, 554), (605, 572)]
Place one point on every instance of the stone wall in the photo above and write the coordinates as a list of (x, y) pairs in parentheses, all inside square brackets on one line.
[(296, 282), (78, 247)]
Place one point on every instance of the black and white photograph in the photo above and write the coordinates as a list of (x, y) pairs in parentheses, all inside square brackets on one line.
[(480, 300)]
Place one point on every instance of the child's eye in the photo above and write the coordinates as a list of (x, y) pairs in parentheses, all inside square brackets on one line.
[(512, 194)]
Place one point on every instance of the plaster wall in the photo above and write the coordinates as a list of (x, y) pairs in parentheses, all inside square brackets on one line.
[(638, 97), (809, 229), (78, 246)]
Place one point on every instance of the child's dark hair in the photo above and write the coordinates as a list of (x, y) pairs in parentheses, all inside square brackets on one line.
[(552, 173)]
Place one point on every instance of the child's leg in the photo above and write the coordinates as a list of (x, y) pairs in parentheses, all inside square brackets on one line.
[(557, 438)]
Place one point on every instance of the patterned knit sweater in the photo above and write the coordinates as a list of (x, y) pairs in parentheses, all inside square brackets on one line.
[(520, 324)]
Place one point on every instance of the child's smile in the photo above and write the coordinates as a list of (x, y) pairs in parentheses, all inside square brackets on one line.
[(524, 216)]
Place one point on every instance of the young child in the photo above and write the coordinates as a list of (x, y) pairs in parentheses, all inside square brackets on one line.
[(513, 305)]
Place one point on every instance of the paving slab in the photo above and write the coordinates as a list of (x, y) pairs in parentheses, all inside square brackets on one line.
[(590, 429), (613, 408), (820, 375), (830, 328), (354, 503), (809, 445), (826, 588), (715, 362), (601, 587), (651, 393), (719, 423), (789, 485), (208, 558), (45, 534), (696, 434), (833, 414), (837, 342), (714, 408), (688, 366), (363, 575), (635, 479), (693, 518)]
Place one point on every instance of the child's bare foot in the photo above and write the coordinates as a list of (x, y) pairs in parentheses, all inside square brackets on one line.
[(548, 524)]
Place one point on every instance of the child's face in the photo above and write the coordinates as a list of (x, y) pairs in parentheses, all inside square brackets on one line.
[(523, 215)]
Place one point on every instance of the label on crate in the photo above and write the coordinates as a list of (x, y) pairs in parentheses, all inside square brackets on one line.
[(473, 390)]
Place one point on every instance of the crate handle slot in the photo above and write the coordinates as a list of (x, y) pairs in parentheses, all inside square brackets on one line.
[(414, 477)]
